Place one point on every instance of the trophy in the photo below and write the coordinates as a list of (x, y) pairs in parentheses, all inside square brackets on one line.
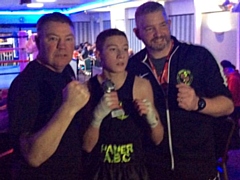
[(184, 76), (108, 86)]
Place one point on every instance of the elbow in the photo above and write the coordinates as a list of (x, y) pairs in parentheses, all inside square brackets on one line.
[(229, 108), (33, 161), (159, 139), (34, 164), (36, 159), (88, 145), (157, 142), (88, 149), (158, 136), (90, 139), (226, 110)]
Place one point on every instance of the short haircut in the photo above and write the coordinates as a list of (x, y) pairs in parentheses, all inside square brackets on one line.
[(53, 17), (149, 7), (101, 38)]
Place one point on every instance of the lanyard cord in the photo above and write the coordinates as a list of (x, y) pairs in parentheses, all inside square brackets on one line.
[(163, 78)]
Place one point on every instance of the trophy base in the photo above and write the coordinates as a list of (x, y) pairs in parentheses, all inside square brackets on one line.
[(117, 112)]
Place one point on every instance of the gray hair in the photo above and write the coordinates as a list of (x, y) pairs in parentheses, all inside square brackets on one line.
[(149, 7), (53, 17)]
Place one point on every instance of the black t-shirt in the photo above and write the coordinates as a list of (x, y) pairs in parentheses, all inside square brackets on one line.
[(159, 64), (34, 96)]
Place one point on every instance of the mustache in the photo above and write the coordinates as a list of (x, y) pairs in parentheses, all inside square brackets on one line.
[(158, 37)]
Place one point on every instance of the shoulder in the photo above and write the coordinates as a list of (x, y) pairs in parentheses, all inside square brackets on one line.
[(189, 47), (142, 85), (194, 49), (135, 63), (27, 80), (193, 55), (26, 77), (141, 81), (138, 57), (142, 89)]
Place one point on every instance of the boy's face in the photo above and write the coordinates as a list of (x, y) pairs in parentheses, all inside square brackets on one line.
[(114, 54)]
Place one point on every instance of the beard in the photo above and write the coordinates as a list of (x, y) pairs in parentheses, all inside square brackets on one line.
[(159, 43)]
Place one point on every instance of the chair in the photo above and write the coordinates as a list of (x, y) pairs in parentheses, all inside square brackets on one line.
[(88, 66), (223, 139)]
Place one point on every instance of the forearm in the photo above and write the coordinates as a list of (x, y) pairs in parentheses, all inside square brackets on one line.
[(39, 147), (218, 106), (157, 134), (90, 138), (155, 124)]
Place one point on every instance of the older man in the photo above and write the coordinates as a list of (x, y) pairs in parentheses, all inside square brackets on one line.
[(43, 105)]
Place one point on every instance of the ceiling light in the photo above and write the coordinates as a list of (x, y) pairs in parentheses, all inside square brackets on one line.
[(45, 0), (219, 22), (35, 5)]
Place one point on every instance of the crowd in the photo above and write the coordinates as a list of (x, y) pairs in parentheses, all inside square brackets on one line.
[(149, 115)]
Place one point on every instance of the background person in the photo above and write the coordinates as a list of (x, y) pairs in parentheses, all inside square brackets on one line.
[(43, 102), (233, 83), (114, 143), (187, 108), (31, 47)]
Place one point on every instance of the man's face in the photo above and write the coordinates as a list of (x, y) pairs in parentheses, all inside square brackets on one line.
[(153, 30), (56, 45), (114, 54)]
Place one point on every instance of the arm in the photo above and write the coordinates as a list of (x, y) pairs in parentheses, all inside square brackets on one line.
[(143, 96), (108, 102), (216, 106), (38, 147)]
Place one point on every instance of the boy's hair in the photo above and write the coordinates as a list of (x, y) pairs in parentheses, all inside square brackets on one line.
[(101, 38), (55, 17), (149, 7)]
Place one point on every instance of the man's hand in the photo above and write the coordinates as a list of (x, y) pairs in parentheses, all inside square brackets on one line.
[(76, 95), (186, 97)]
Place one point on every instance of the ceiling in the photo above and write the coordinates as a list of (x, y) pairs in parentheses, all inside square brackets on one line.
[(14, 5)]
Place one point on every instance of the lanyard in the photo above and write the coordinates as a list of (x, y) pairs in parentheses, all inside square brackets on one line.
[(163, 78)]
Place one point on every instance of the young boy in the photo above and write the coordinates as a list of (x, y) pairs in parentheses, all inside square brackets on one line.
[(120, 113)]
